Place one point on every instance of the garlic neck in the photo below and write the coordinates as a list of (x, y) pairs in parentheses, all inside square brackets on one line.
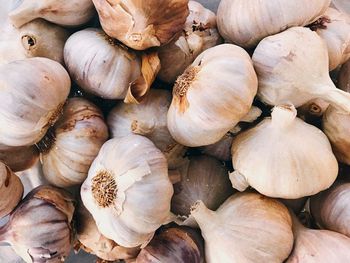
[(283, 115), (204, 217), (26, 11), (104, 189)]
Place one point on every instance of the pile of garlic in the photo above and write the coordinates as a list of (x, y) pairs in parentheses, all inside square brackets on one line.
[(175, 131)]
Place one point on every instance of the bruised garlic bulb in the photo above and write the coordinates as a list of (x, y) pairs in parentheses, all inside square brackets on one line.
[(75, 141), (292, 67), (245, 23), (142, 24), (19, 158), (277, 157), (128, 191), (344, 77), (39, 229), (32, 93), (199, 33), (206, 106), (247, 227), (62, 12), (11, 190)]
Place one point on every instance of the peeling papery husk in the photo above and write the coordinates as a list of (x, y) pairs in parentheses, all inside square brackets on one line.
[(142, 24), (342, 5), (19, 158), (344, 77)]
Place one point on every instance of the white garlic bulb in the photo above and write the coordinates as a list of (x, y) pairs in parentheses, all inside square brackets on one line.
[(199, 33), (128, 191), (27, 113), (277, 157), (245, 23), (247, 227), (74, 143), (212, 95)]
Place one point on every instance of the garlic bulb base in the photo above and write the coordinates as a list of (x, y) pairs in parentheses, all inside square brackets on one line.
[(239, 181), (104, 189)]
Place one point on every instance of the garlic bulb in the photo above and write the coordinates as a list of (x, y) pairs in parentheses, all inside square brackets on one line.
[(292, 67), (19, 158), (246, 23), (11, 190), (199, 33), (344, 77), (27, 113), (276, 157), (342, 5), (142, 24), (184, 244), (76, 140), (128, 191), (206, 106), (247, 227), (62, 12), (313, 108), (49, 212)]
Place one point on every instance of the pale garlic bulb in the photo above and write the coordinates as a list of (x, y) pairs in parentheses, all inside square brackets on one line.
[(277, 157), (61, 12), (245, 23), (199, 33), (70, 147), (292, 67), (27, 113), (128, 191), (344, 77), (247, 227), (212, 96), (19, 158), (342, 5), (142, 24)]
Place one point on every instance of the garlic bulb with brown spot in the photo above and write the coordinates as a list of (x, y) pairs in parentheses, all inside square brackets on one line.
[(206, 106), (142, 24), (128, 191), (19, 158), (74, 142), (199, 33), (277, 157), (344, 77), (247, 227), (292, 67), (32, 92)]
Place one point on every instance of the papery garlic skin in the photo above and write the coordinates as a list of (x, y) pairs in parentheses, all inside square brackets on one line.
[(77, 138), (27, 113), (142, 24), (277, 157), (128, 191), (199, 33), (212, 95), (19, 158), (246, 23), (342, 5), (247, 227)]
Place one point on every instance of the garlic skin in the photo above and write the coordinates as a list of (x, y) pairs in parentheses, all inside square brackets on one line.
[(77, 138), (11, 190), (276, 157), (128, 191), (142, 24), (314, 108), (344, 77), (62, 12), (246, 23), (290, 71), (342, 5), (19, 158), (206, 106), (247, 227), (26, 114), (199, 33)]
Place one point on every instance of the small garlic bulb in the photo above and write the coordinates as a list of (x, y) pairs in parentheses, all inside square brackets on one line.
[(247, 227), (11, 190), (292, 67), (75, 141), (19, 158), (277, 157), (212, 95), (142, 24), (245, 23), (199, 33), (344, 77), (128, 191), (27, 113)]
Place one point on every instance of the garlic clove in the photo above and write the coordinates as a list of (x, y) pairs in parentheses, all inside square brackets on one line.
[(19, 158), (344, 77)]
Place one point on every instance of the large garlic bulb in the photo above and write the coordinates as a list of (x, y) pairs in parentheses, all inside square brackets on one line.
[(292, 67), (277, 157), (344, 77), (247, 227), (199, 33), (32, 93), (74, 143), (212, 95), (62, 12), (128, 191), (245, 23), (142, 24), (19, 158)]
